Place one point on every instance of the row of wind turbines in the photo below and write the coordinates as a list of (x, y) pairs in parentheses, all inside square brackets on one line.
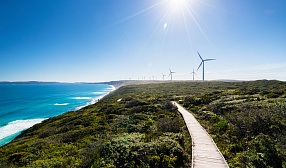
[(202, 63)]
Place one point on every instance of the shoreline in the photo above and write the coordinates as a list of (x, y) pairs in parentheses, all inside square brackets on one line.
[(31, 122), (96, 99)]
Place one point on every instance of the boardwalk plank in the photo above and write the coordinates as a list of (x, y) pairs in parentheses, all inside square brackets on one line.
[(205, 153)]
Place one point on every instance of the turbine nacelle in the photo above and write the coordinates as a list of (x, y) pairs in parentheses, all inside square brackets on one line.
[(171, 74), (193, 72), (203, 63)]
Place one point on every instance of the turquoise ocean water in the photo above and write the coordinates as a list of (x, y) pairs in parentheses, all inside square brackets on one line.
[(23, 105)]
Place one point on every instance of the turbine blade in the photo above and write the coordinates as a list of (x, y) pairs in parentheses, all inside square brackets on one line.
[(200, 65), (200, 56), (209, 59)]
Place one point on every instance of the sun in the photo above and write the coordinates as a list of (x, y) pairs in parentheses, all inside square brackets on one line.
[(176, 5)]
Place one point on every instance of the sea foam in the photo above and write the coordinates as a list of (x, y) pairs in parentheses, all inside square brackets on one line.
[(98, 92), (82, 98), (61, 104), (95, 100), (112, 88), (17, 126)]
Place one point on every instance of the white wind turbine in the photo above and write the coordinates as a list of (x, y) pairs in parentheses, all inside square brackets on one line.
[(203, 62), (193, 74), (171, 74), (163, 76)]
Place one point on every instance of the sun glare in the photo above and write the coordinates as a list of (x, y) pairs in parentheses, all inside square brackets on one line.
[(176, 5), (175, 13), (165, 25)]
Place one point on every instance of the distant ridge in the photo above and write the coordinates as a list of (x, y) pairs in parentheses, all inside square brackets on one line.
[(114, 83), (228, 80)]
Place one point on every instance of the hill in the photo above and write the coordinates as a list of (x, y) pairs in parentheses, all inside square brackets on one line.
[(137, 126)]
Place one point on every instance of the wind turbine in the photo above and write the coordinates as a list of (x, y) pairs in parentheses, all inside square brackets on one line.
[(171, 74), (193, 74), (203, 62), (163, 76)]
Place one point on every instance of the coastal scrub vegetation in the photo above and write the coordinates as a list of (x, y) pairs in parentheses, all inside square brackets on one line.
[(247, 122), (124, 130), (137, 126)]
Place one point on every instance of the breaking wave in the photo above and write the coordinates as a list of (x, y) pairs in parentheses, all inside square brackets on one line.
[(17, 126), (61, 104)]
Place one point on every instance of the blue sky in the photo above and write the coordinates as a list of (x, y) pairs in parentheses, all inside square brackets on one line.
[(103, 40)]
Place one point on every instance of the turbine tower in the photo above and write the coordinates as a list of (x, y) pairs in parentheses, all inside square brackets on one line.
[(193, 74), (171, 74), (203, 62), (163, 76)]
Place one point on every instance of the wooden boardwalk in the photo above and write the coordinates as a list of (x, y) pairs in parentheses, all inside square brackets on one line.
[(205, 153)]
